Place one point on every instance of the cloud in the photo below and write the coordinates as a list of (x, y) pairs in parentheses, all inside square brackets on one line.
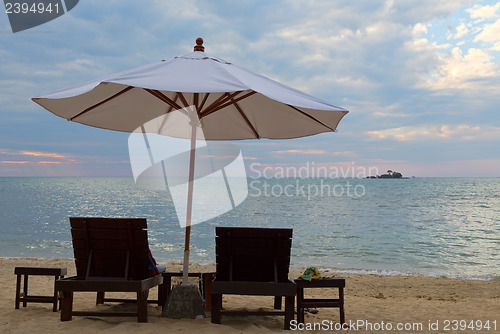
[(490, 33), (481, 13), (36, 159), (41, 154), (425, 132), (460, 31), (470, 72), (345, 153), (30, 162), (33, 154), (16, 162), (311, 151)]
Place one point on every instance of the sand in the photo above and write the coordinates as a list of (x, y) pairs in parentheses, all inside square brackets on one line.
[(373, 303)]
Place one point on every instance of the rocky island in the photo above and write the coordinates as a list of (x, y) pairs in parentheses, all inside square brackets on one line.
[(389, 175)]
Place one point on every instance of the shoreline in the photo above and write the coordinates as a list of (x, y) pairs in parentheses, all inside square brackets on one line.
[(327, 271)]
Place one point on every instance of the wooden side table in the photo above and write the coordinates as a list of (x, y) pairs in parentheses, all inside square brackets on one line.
[(302, 303), (37, 271)]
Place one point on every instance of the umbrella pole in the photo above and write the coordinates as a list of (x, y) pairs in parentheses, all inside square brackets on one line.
[(194, 123)]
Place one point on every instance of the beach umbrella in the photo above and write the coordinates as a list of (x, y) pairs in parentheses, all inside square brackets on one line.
[(223, 100)]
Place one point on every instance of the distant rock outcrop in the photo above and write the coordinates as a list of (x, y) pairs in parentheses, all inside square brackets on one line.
[(390, 175)]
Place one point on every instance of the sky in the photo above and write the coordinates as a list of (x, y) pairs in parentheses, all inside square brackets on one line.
[(421, 79)]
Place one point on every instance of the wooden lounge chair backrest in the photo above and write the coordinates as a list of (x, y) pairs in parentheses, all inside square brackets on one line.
[(253, 254), (110, 248)]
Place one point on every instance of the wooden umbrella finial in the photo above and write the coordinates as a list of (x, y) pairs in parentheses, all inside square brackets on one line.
[(199, 45)]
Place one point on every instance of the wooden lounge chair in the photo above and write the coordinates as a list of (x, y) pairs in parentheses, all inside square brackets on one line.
[(111, 255), (253, 261)]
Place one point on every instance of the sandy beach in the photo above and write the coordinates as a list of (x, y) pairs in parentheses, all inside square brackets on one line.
[(373, 304)]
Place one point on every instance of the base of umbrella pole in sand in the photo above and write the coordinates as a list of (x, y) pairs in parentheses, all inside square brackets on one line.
[(184, 301)]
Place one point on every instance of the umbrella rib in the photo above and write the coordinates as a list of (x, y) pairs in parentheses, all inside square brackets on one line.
[(203, 101), (183, 99), (164, 121), (216, 102), (311, 117), (195, 100), (246, 119), (163, 97), (220, 101), (222, 106), (126, 89)]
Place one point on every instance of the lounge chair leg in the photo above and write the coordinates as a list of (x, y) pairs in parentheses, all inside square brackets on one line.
[(216, 307), (100, 298), (277, 302), (67, 305), (142, 306), (289, 306)]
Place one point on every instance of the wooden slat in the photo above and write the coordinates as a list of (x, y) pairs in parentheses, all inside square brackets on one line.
[(107, 234), (245, 241), (251, 232), (245, 272), (320, 303), (38, 299), (106, 223), (76, 284), (254, 288), (255, 250), (44, 271), (140, 244)]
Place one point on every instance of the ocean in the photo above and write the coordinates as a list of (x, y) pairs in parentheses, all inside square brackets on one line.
[(419, 226)]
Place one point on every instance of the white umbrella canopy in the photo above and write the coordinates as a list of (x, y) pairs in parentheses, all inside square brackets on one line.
[(233, 103), (230, 103)]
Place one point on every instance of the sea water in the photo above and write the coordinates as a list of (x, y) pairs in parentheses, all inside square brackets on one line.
[(428, 226)]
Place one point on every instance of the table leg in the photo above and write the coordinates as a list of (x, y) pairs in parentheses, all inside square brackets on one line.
[(18, 290), (54, 307), (25, 290), (59, 295)]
